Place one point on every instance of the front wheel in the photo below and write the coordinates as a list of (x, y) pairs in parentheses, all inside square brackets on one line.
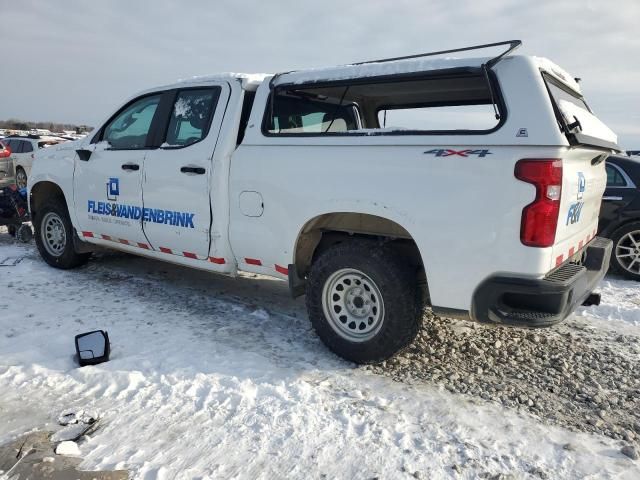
[(626, 250), (362, 301), (54, 237)]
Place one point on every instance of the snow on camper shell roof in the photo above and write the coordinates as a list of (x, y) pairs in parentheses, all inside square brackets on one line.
[(375, 69)]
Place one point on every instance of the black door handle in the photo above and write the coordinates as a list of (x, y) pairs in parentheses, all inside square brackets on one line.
[(130, 166), (197, 170)]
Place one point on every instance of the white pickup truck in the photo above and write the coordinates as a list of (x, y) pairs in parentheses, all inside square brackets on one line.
[(469, 185)]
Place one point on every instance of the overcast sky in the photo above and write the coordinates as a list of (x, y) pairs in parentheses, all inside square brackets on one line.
[(76, 61)]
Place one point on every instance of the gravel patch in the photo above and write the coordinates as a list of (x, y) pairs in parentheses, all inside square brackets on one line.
[(571, 375)]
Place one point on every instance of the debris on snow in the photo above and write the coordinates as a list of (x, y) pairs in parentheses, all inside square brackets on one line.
[(630, 451), (68, 448)]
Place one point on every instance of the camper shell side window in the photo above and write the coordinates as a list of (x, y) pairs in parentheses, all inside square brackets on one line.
[(456, 102)]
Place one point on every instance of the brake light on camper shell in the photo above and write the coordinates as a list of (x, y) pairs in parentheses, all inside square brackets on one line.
[(540, 218)]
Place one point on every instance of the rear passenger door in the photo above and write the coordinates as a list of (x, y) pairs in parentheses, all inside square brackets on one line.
[(177, 176)]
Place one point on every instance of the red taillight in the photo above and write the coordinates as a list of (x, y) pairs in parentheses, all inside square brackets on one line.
[(540, 218), (5, 152)]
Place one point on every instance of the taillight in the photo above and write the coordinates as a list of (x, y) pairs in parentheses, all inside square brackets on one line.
[(540, 218), (5, 152)]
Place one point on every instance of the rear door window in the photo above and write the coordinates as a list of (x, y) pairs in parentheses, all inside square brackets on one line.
[(191, 116), (614, 177), (26, 147), (10, 144), (16, 146)]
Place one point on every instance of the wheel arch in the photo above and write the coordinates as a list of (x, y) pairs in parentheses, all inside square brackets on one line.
[(613, 227), (44, 190), (327, 229)]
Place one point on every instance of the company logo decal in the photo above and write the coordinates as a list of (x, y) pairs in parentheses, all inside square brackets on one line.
[(573, 216), (575, 209), (582, 185), (113, 189), (448, 152), (106, 211)]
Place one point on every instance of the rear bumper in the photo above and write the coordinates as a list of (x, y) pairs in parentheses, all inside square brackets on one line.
[(528, 302)]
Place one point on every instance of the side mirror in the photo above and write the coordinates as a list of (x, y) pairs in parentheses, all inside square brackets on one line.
[(83, 154), (93, 347)]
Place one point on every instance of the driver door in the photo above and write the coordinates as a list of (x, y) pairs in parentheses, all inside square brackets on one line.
[(108, 186)]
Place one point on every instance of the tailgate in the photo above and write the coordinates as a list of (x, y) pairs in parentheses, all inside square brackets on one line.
[(583, 167), (583, 182)]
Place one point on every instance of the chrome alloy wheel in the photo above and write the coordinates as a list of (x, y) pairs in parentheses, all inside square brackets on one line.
[(628, 252), (54, 237), (353, 305)]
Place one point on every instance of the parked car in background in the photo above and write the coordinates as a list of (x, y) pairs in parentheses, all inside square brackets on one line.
[(6, 165), (620, 214), (23, 150), (633, 153)]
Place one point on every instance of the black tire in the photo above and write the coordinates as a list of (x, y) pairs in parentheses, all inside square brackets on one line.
[(397, 285), (618, 238), (68, 258), (24, 234)]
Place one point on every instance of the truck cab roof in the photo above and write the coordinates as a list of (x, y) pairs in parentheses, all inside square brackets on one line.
[(249, 81)]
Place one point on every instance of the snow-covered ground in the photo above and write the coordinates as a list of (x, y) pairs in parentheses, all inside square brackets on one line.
[(212, 377)]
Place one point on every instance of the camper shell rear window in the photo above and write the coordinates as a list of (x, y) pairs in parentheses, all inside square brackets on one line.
[(467, 101)]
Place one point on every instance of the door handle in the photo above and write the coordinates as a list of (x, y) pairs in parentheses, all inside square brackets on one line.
[(130, 166), (612, 198), (196, 170)]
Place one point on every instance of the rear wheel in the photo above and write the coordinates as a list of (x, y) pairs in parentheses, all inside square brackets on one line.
[(626, 250), (54, 236), (362, 301), (21, 178)]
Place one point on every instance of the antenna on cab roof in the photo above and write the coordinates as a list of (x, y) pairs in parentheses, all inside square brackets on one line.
[(513, 44)]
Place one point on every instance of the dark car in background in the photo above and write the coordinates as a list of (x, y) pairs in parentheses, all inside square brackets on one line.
[(620, 214)]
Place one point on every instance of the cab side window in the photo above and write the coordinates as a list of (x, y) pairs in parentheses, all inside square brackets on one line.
[(191, 116), (129, 129), (614, 178)]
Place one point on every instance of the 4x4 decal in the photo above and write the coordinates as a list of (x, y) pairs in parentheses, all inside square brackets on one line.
[(447, 152)]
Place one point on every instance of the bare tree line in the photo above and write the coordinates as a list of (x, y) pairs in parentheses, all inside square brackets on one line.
[(15, 124)]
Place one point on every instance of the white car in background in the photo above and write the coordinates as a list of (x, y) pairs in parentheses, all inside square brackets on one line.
[(23, 150)]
